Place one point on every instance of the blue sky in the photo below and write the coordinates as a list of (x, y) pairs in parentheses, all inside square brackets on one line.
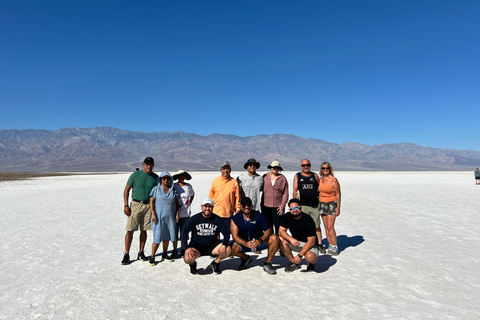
[(342, 71)]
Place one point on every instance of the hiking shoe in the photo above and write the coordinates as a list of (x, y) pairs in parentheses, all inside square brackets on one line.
[(321, 249), (126, 259), (267, 267), (152, 261), (174, 254), (334, 251), (215, 267), (310, 267), (141, 255), (245, 263), (193, 267), (292, 267)]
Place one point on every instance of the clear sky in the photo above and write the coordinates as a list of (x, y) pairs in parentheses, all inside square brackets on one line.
[(342, 71)]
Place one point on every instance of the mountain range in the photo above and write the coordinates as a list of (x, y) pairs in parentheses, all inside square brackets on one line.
[(108, 149)]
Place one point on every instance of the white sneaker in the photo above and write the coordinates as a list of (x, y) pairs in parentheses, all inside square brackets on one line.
[(334, 250)]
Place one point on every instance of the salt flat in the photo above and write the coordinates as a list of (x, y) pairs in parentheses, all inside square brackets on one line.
[(408, 241)]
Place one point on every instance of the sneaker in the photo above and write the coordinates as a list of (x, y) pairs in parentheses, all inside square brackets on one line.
[(141, 255), (126, 259), (329, 250), (267, 267), (245, 263), (321, 249), (152, 261), (310, 267), (292, 267), (193, 267), (215, 267), (174, 254), (334, 250), (166, 257), (182, 253)]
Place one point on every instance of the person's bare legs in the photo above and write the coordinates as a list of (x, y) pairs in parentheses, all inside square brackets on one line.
[(329, 223), (143, 239), (128, 241)]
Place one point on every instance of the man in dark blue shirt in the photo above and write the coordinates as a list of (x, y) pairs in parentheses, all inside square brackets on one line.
[(303, 239), (204, 227), (251, 231)]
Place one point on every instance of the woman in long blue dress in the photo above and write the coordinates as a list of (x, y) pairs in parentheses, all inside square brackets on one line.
[(164, 206)]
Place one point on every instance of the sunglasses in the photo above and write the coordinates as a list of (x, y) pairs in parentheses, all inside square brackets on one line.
[(327, 168), (276, 168), (305, 165), (166, 178), (294, 208), (246, 205)]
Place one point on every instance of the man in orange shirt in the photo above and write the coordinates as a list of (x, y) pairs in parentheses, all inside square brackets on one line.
[(225, 194)]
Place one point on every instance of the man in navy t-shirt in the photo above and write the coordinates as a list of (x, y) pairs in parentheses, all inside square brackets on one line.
[(251, 231), (204, 227), (303, 239)]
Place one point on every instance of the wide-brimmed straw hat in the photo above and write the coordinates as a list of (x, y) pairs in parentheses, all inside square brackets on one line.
[(182, 173), (274, 163), (251, 160)]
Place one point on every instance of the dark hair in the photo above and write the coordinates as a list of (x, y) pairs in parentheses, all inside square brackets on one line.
[(293, 200)]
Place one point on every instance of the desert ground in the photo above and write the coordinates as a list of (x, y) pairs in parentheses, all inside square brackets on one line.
[(408, 241)]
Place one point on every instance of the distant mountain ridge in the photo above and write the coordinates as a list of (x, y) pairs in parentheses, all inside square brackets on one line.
[(108, 149)]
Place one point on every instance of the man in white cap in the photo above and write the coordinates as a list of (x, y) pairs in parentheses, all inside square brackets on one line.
[(204, 227), (225, 194), (251, 183)]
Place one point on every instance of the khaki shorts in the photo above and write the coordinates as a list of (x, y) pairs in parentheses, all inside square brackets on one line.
[(312, 212), (141, 217)]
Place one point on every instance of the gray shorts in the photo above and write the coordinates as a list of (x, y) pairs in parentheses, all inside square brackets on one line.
[(299, 248), (328, 208), (312, 212)]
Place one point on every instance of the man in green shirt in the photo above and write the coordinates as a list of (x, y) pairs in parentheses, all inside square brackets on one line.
[(138, 213)]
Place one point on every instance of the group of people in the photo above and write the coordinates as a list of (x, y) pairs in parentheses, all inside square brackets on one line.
[(250, 209)]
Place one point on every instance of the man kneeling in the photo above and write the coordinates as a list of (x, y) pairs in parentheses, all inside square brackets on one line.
[(251, 231), (303, 239), (204, 227)]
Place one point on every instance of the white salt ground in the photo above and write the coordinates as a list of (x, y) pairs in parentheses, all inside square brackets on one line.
[(408, 241)]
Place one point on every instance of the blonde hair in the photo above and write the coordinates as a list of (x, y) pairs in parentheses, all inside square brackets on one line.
[(329, 165)]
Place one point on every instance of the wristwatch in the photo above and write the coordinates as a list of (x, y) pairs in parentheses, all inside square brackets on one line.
[(301, 257)]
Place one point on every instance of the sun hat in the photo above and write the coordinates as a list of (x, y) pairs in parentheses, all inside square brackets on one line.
[(274, 163), (180, 173), (207, 200), (251, 160)]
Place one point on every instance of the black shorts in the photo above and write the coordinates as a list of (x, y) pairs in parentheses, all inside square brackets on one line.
[(205, 250)]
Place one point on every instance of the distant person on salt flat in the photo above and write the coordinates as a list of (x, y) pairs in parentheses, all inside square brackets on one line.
[(225, 194), (204, 227), (164, 204), (303, 238), (251, 232), (186, 193), (477, 176), (330, 198), (251, 183), (138, 213), (305, 188), (275, 195)]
